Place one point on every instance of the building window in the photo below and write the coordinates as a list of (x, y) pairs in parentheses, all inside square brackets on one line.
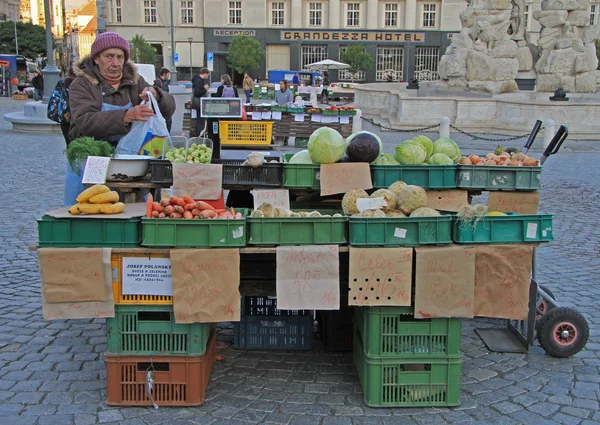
[(353, 15), (426, 63), (526, 16), (389, 62), (390, 17), (277, 13), (187, 12), (429, 18), (235, 13), (344, 75), (312, 54), (117, 12), (315, 14), (594, 9), (149, 11)]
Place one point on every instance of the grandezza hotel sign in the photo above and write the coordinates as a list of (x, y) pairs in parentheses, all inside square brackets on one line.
[(398, 37)]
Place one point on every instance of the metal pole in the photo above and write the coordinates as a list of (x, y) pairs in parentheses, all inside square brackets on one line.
[(51, 72), (173, 68), (16, 38), (190, 39)]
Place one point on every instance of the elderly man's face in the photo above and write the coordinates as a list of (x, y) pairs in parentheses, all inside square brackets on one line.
[(111, 62)]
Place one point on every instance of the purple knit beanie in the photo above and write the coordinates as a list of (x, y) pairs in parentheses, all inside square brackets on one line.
[(109, 40)]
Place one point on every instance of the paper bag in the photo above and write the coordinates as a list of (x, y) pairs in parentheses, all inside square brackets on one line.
[(74, 274), (340, 178), (199, 181), (502, 279), (380, 276), (206, 285), (444, 281)]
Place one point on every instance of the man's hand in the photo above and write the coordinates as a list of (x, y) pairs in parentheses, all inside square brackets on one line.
[(206, 86), (138, 113), (144, 94)]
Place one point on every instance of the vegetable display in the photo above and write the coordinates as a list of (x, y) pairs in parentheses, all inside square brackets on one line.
[(82, 147), (196, 154), (267, 210), (363, 146), (185, 207), (326, 146), (510, 157), (97, 199)]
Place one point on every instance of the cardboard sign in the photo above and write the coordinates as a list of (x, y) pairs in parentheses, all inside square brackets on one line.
[(146, 276), (308, 277), (279, 198), (447, 200), (444, 281), (340, 178), (518, 202), (502, 279), (206, 285), (84, 309), (380, 276), (73, 275), (199, 181), (95, 171)]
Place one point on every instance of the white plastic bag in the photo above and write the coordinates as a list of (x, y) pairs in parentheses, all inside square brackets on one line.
[(146, 137)]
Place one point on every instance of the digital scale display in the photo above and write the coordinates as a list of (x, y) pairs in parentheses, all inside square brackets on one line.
[(211, 107)]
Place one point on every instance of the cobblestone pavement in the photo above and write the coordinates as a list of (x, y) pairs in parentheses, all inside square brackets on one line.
[(53, 372)]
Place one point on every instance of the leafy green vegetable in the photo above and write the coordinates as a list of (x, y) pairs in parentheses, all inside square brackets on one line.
[(448, 147), (410, 153), (386, 159), (301, 157), (426, 143), (326, 146), (440, 159), (79, 149)]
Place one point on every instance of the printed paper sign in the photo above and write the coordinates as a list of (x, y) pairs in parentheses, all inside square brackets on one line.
[(276, 115), (256, 116), (206, 285), (299, 117), (344, 119), (95, 171), (517, 202), (316, 117), (363, 204), (146, 276), (340, 178), (199, 181), (447, 200), (266, 115), (279, 198), (380, 276), (308, 277)]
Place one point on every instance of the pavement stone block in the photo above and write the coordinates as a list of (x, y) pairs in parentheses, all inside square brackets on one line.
[(20, 420), (56, 420), (348, 411), (576, 411), (337, 420), (26, 386), (250, 416), (367, 420), (109, 416), (39, 409), (331, 399), (278, 419), (27, 397)]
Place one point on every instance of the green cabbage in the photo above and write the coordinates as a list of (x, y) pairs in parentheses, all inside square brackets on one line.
[(386, 159), (326, 146), (410, 153), (301, 157), (447, 146), (426, 143), (440, 159)]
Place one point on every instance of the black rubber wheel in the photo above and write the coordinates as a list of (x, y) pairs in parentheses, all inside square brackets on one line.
[(563, 332), (542, 305)]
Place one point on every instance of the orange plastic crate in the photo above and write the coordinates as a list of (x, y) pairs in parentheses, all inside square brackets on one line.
[(178, 381), (117, 283)]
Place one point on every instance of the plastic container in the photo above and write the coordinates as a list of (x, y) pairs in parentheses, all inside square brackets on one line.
[(330, 112), (203, 233), (279, 108), (417, 382), (394, 332), (161, 171), (493, 177), (177, 381), (267, 306), (304, 176), (235, 174), (257, 133), (426, 176), (88, 232), (273, 332), (117, 282), (512, 228), (400, 231), (295, 110), (347, 112), (150, 330), (337, 328)]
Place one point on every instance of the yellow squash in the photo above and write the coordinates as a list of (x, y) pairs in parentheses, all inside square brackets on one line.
[(90, 192), (92, 208), (74, 210), (113, 208), (105, 198)]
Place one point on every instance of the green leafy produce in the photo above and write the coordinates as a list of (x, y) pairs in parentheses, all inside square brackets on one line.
[(386, 159), (301, 157), (440, 159), (326, 146), (448, 147), (426, 143), (197, 154), (410, 153), (79, 149)]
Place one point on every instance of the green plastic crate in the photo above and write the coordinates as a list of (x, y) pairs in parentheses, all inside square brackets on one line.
[(512, 228), (294, 110), (278, 108), (494, 177), (416, 382), (400, 231), (300, 175), (146, 330), (347, 112), (426, 176), (203, 233), (298, 230), (394, 332), (273, 332), (88, 232), (331, 112)]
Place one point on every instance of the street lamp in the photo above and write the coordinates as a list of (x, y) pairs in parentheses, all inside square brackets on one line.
[(190, 39)]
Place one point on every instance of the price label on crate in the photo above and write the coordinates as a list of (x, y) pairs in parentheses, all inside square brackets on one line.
[(95, 171), (380, 276), (199, 181), (308, 277), (279, 198)]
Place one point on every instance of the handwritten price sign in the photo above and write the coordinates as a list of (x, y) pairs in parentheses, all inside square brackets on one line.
[(199, 181), (340, 178), (95, 171), (279, 198), (380, 276), (446, 200), (206, 285), (308, 277), (518, 202)]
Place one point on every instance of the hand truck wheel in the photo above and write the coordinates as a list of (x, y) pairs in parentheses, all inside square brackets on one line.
[(563, 332), (542, 305)]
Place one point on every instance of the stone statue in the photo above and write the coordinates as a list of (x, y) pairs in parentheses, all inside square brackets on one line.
[(517, 20)]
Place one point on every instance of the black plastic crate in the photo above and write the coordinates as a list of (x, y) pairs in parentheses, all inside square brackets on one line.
[(337, 328), (267, 306), (270, 174), (161, 171)]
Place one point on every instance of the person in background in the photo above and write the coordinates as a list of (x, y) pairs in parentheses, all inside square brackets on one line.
[(325, 92), (65, 126), (38, 86), (200, 89), (162, 82), (283, 96), (296, 79), (248, 87), (226, 88)]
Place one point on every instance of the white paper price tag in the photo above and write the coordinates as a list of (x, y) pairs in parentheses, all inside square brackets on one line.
[(364, 204)]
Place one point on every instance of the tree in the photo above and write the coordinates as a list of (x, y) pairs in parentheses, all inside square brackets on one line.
[(359, 60), (31, 38), (245, 54), (141, 51)]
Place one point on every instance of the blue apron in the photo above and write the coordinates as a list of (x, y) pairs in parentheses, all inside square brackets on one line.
[(73, 182)]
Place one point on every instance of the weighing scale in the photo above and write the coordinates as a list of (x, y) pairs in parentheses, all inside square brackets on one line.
[(212, 109)]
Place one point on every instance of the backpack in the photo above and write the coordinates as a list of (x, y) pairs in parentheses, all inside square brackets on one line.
[(58, 105), (228, 92)]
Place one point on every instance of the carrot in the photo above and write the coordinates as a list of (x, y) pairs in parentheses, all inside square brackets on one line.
[(170, 209), (173, 200), (180, 202), (201, 205), (157, 207), (162, 215), (179, 209), (189, 207), (221, 210), (175, 215), (208, 214), (187, 214), (188, 200), (232, 211), (238, 215), (155, 214), (149, 206)]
